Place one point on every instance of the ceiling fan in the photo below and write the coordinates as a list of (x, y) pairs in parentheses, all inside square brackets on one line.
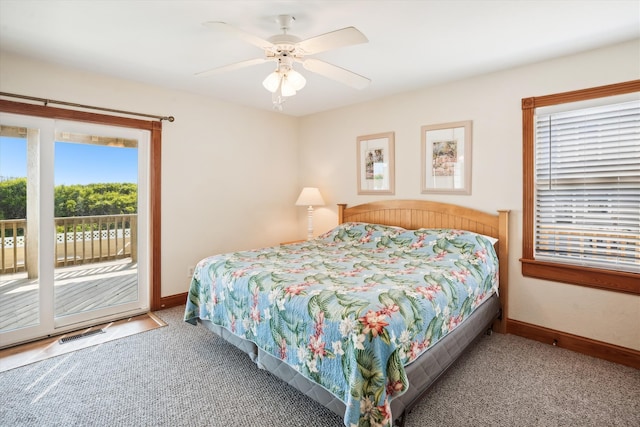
[(286, 49)]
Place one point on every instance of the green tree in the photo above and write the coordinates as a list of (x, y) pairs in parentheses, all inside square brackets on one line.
[(13, 198), (71, 200), (96, 199)]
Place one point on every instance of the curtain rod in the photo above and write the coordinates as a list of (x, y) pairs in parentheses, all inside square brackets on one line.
[(71, 104)]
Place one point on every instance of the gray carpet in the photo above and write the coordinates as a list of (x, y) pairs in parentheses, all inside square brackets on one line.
[(183, 375)]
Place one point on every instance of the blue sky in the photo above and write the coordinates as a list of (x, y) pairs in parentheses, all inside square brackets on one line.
[(74, 163)]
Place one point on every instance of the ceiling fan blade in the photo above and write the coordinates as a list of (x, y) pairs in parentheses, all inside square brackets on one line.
[(333, 40), (248, 37), (231, 67), (336, 73)]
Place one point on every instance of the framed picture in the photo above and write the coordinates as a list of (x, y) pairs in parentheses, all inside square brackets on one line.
[(376, 160), (446, 158)]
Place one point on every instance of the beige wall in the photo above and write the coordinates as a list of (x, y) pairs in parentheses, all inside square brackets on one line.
[(229, 174), (492, 102), (227, 185)]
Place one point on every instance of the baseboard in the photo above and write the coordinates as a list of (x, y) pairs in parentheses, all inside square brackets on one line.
[(171, 301), (602, 350)]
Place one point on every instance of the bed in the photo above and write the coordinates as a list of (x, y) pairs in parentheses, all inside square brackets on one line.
[(366, 317)]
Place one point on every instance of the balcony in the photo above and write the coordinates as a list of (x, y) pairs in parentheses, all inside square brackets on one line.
[(95, 267)]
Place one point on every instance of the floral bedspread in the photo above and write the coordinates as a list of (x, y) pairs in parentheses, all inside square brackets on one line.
[(350, 308)]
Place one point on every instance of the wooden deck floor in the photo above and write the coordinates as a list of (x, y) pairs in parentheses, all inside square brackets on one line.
[(76, 289)]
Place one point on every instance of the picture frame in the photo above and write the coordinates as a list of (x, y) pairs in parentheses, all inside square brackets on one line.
[(446, 158), (376, 163)]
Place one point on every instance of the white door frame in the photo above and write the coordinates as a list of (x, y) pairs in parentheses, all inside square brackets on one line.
[(49, 325)]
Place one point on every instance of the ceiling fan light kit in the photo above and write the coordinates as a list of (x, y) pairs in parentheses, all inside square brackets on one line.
[(285, 49), (283, 82)]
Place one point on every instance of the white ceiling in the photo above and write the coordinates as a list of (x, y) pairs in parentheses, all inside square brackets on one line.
[(412, 44)]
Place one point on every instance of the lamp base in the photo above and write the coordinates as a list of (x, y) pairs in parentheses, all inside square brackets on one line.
[(310, 223)]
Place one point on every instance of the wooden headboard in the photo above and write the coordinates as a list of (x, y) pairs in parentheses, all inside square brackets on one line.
[(413, 214)]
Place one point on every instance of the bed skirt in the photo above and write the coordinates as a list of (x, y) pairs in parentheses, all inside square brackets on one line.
[(422, 372)]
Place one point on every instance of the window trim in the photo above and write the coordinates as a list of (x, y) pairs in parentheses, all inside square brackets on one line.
[(566, 273)]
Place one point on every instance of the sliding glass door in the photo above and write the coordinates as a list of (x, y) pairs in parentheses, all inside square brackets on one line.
[(73, 223), (99, 197)]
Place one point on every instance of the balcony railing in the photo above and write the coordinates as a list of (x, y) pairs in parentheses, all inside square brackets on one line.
[(13, 244), (79, 240)]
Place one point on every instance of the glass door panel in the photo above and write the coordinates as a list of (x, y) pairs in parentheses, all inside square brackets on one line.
[(96, 203), (19, 285), (25, 293)]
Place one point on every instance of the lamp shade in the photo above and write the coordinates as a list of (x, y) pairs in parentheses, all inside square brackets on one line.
[(286, 87), (310, 196), (296, 79), (272, 82)]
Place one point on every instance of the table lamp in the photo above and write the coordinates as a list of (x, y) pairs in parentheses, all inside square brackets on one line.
[(310, 196)]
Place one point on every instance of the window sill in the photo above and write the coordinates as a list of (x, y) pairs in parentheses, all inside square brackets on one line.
[(611, 280)]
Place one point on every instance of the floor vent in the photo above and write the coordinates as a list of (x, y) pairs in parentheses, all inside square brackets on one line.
[(82, 335)]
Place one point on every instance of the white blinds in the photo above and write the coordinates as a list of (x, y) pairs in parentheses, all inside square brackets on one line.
[(587, 186)]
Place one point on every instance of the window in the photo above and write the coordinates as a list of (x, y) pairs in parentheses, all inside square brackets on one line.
[(581, 218)]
